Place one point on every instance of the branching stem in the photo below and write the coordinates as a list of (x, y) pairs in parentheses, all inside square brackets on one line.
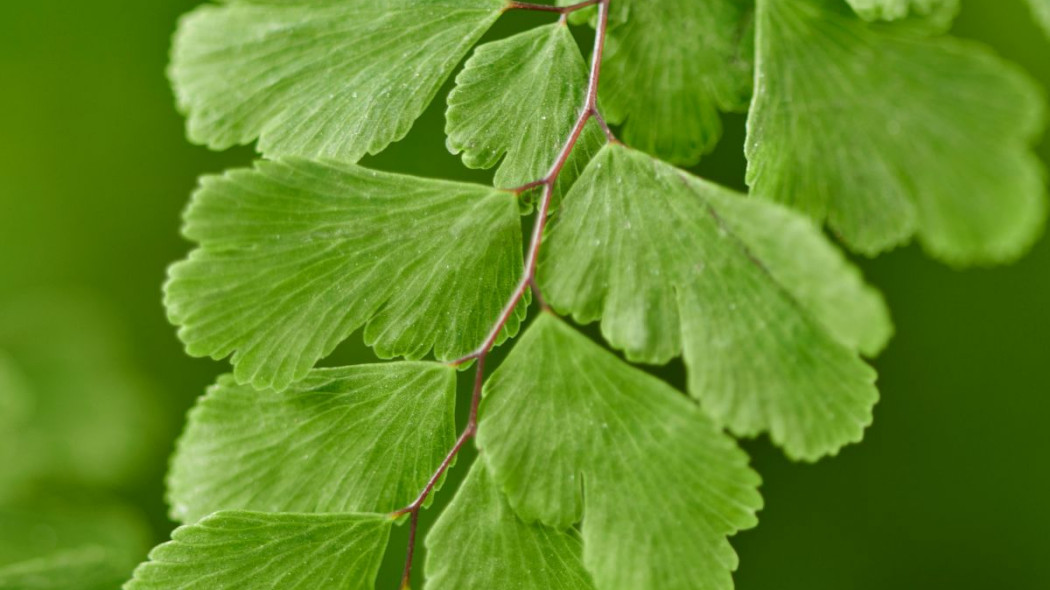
[(528, 279)]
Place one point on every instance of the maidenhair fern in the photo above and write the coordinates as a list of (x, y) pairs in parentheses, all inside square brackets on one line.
[(592, 474)]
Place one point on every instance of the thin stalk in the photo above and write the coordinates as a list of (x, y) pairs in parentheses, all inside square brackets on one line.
[(548, 8), (528, 279)]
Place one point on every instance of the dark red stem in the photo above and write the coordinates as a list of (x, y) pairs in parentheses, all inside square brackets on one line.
[(528, 279), (547, 8)]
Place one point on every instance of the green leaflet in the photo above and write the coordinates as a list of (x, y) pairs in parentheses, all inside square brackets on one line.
[(296, 255), (479, 542), (657, 485), (321, 78), (938, 12), (797, 255), (944, 132), (670, 67), (520, 98), (240, 550), (354, 439), (674, 265)]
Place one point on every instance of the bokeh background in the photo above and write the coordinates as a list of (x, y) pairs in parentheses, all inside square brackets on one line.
[(950, 488)]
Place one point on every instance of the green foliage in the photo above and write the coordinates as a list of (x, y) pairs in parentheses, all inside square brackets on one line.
[(314, 77), (301, 450), (768, 347), (798, 257), (313, 251), (946, 127), (233, 550), (940, 12), (480, 542), (558, 440), (670, 67), (594, 475), (517, 99)]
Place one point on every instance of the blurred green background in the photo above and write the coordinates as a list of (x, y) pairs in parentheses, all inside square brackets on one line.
[(950, 488)]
